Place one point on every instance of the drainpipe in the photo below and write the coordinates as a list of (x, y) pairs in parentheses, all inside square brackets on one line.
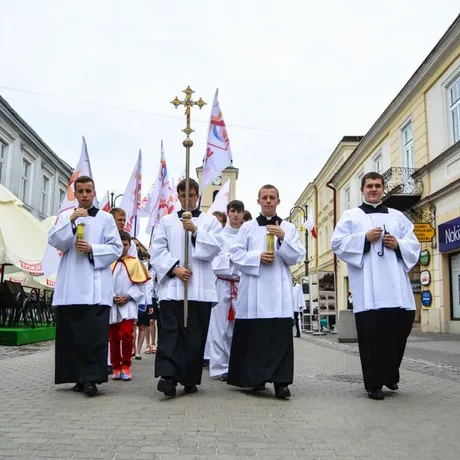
[(334, 221)]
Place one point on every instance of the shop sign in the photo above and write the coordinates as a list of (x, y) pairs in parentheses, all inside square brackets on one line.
[(425, 257), (427, 298), (424, 232), (449, 235), (425, 278)]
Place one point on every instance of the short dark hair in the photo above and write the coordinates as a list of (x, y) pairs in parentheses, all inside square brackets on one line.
[(221, 216), (114, 211), (237, 205), (83, 180), (125, 236), (266, 187), (192, 184), (372, 175), (247, 216)]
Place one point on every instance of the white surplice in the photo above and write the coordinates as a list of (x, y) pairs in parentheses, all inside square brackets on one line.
[(122, 285), (298, 297), (377, 282), (220, 327), (81, 281), (168, 249), (265, 290)]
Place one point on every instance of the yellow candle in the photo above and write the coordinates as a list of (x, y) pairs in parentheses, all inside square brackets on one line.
[(270, 242), (80, 234)]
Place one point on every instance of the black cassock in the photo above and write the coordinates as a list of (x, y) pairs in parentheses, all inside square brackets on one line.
[(81, 343), (180, 350)]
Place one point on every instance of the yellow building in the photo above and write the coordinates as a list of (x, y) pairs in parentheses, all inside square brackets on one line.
[(415, 145), (209, 193)]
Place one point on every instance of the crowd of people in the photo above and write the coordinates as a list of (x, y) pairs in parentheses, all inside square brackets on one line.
[(233, 303)]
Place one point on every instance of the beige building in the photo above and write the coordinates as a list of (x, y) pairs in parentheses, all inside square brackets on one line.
[(415, 145), (209, 193)]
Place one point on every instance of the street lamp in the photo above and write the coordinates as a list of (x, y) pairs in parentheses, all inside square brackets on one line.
[(304, 214), (113, 200)]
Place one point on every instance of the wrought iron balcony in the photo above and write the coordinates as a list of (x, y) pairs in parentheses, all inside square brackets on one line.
[(402, 191)]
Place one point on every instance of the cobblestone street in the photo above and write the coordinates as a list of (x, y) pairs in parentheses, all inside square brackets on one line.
[(328, 417)]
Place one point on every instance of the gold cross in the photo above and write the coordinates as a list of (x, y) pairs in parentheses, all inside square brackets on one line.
[(188, 102)]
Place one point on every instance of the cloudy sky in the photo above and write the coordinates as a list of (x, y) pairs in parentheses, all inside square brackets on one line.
[(294, 76)]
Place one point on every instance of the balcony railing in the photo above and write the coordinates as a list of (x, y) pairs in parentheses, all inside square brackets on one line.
[(401, 189), (400, 181)]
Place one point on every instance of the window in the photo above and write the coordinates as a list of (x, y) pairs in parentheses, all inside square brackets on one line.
[(408, 145), (326, 236), (348, 198), (378, 163), (358, 179), (25, 179), (454, 108), (2, 161), (45, 195)]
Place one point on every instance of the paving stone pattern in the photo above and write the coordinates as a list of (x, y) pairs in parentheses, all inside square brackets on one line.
[(328, 417)]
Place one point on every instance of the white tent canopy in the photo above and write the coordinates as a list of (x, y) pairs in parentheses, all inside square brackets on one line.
[(23, 241)]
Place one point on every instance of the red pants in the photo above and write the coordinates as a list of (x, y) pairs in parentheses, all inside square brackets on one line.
[(121, 343)]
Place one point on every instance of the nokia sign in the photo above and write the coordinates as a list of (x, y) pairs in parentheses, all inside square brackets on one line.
[(449, 235)]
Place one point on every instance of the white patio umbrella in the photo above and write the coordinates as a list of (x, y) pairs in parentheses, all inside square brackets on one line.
[(22, 241)]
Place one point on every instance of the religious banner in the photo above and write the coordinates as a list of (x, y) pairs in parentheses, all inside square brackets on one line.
[(218, 152), (51, 258), (161, 198), (131, 200)]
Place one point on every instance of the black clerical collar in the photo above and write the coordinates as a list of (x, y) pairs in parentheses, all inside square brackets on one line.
[(371, 209), (264, 220), (92, 211), (195, 213)]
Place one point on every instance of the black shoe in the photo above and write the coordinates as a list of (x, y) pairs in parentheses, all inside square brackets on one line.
[(190, 389), (205, 362), (109, 370), (392, 386), (90, 388), (282, 392), (223, 377), (297, 336), (78, 388), (376, 394), (167, 387)]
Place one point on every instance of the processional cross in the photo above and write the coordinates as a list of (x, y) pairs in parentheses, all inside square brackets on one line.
[(188, 103)]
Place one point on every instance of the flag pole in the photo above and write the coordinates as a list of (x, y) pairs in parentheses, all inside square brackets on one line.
[(188, 103)]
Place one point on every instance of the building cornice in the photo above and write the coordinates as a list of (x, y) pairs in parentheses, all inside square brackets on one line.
[(436, 162), (31, 138), (427, 68), (441, 193)]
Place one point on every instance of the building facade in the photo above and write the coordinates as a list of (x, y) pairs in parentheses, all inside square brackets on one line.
[(28, 167), (415, 145)]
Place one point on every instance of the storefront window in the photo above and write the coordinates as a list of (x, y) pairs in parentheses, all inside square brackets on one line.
[(455, 283)]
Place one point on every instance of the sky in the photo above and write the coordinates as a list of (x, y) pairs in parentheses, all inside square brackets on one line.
[(294, 77)]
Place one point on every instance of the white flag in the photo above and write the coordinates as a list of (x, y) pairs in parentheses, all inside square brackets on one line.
[(218, 152), (131, 200), (309, 224), (104, 204), (165, 202), (50, 262), (221, 200)]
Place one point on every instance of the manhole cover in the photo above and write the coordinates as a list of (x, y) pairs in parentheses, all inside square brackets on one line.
[(348, 378)]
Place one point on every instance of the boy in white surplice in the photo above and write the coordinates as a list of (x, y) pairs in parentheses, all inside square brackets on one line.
[(129, 278)]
